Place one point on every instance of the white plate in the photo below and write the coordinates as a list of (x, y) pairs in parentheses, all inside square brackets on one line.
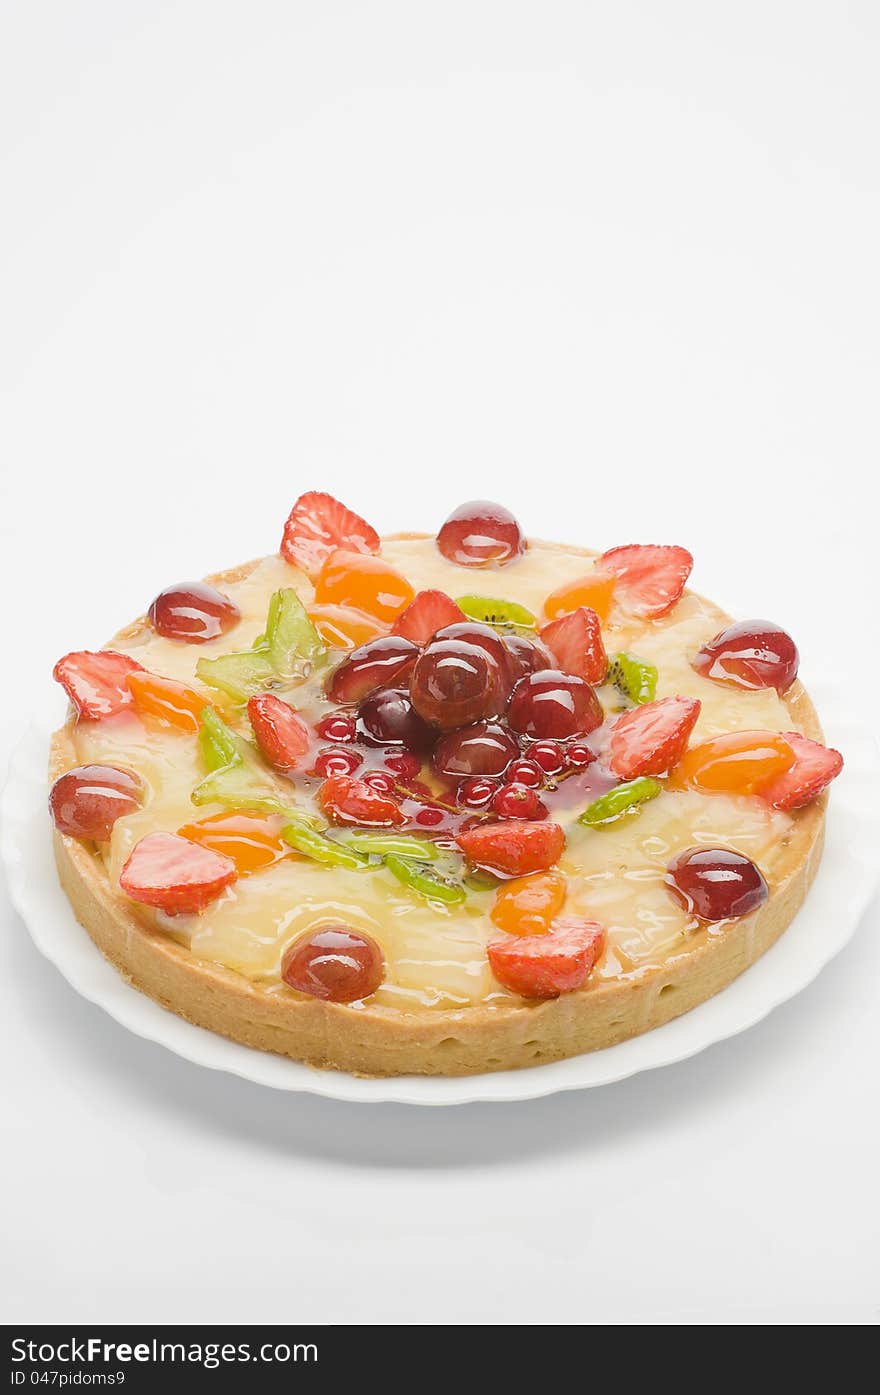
[(843, 888)]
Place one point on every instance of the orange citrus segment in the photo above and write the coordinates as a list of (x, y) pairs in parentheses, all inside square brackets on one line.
[(595, 589), (365, 583), (342, 627), (529, 905), (251, 841), (739, 762), (171, 702)]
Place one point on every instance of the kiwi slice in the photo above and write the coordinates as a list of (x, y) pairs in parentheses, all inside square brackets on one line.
[(503, 615)]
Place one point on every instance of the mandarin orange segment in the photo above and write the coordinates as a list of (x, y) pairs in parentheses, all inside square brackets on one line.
[(739, 762), (529, 905), (173, 703), (594, 590), (342, 627), (365, 583), (251, 841)]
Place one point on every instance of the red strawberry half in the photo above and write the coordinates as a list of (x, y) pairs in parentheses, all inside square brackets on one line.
[(348, 801), (317, 525), (513, 847), (575, 640), (175, 875), (427, 613), (543, 966), (282, 735), (95, 681), (815, 766), (651, 739), (650, 578)]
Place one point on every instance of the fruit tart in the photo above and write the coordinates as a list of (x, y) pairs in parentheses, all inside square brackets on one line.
[(437, 805)]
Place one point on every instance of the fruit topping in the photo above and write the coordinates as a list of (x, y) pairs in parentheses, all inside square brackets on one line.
[(526, 655), (96, 682), (172, 703), (579, 755), (374, 665), (336, 760), (399, 844), (594, 590), (193, 611), (311, 843), (549, 756), (236, 777), (483, 748), (291, 639), (738, 762), (218, 743), (525, 772), (575, 641), (715, 883), (550, 703), (335, 963), (513, 848), (750, 654), (455, 683), (317, 525), (476, 792), (348, 801), (652, 738), (342, 627), (338, 726), (175, 875), (425, 615), (481, 534), (364, 583), (543, 966), (529, 905), (389, 718), (86, 801), (650, 578), (506, 616), (425, 880), (381, 780), (518, 802), (403, 764), (632, 677), (623, 799), (253, 842), (239, 676), (815, 766), (282, 735)]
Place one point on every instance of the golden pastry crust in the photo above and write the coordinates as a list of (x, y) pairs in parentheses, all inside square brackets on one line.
[(375, 1040)]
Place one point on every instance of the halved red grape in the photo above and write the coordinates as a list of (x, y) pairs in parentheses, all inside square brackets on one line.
[(751, 654), (388, 718), (551, 703), (454, 684), (483, 636), (481, 534), (527, 655), (193, 611), (715, 883), (334, 963), (87, 801), (485, 748), (376, 664)]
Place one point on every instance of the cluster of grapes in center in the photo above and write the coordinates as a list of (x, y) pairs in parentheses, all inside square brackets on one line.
[(491, 715)]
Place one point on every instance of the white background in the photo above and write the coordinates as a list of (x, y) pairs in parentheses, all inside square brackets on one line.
[(615, 264)]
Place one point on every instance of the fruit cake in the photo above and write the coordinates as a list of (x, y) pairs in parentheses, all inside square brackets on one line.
[(437, 805)]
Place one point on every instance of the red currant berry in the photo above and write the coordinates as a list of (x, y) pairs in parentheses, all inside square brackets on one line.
[(476, 792), (338, 726), (525, 772), (549, 756), (338, 761), (380, 780), (403, 764), (518, 802), (429, 818), (578, 756)]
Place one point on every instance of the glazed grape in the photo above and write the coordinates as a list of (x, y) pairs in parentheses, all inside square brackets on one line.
[(525, 772), (378, 664), (551, 703), (454, 684), (481, 534), (335, 963), (485, 748), (338, 726), (476, 792), (527, 655), (87, 801), (194, 612), (336, 761), (750, 654), (716, 884), (389, 718), (518, 802), (484, 637)]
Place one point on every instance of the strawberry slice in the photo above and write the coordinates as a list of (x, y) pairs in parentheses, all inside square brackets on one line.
[(513, 847), (282, 735), (815, 766), (651, 739), (348, 801), (95, 681), (427, 613), (175, 875), (650, 578), (317, 525), (575, 640), (543, 966)]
